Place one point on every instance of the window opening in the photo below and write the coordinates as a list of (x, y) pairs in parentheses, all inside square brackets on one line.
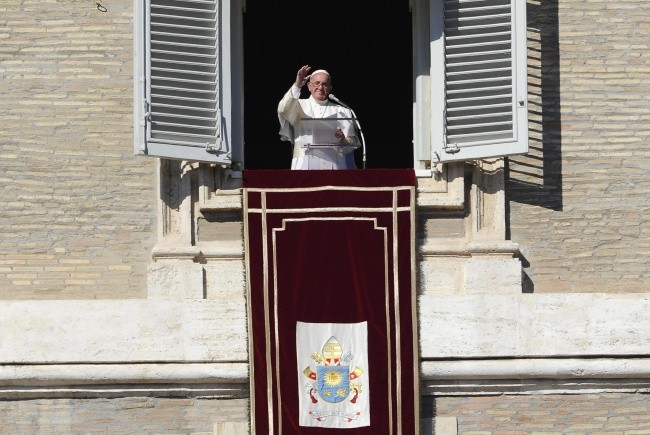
[(367, 47)]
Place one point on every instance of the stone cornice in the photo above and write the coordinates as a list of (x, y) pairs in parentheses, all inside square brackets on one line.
[(230, 379)]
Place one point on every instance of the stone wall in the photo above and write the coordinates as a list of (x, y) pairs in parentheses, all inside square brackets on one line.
[(578, 203), (78, 209), (615, 413), (621, 413), (141, 415)]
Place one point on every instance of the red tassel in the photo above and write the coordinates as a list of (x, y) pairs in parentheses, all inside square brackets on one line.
[(349, 419), (311, 395), (356, 394)]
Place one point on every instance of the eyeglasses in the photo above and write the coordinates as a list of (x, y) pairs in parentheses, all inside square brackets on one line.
[(319, 84)]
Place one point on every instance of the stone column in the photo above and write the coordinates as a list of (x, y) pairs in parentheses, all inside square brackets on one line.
[(493, 266)]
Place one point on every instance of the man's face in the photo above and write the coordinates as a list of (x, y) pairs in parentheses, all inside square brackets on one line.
[(320, 86)]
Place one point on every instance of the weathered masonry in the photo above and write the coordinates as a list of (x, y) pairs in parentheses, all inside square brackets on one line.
[(122, 278)]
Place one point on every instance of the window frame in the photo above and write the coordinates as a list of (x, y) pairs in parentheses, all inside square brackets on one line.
[(428, 90)]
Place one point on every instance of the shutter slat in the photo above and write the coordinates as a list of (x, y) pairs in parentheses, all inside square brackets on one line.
[(453, 2), (162, 72), (177, 89), (460, 21), (186, 63), (451, 57), (476, 43), (184, 107), (195, 126), (471, 64), (494, 127), (172, 26), (189, 23), (483, 10), (173, 97), (205, 98), (471, 84), (205, 2), (482, 107), (198, 14), (188, 117), (476, 29), (460, 38), (184, 35), (477, 98), (170, 139), (209, 84), (472, 138), (199, 55), (451, 75), (492, 88)]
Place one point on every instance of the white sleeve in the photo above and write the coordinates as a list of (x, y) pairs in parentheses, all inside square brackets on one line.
[(289, 114)]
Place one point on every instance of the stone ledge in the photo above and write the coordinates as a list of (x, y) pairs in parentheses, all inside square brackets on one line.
[(461, 248), (214, 330), (537, 368), (212, 391), (123, 331), (44, 375), (488, 387), (195, 253), (230, 380), (531, 325), (229, 373)]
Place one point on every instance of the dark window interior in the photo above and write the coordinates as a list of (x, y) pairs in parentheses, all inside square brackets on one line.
[(366, 47)]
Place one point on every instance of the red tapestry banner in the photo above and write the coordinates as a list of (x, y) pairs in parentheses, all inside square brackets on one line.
[(330, 265)]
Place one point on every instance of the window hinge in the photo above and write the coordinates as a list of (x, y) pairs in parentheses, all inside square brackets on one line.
[(447, 147), (146, 115), (452, 148), (216, 147)]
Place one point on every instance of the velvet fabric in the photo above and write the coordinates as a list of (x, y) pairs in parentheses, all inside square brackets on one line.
[(331, 247)]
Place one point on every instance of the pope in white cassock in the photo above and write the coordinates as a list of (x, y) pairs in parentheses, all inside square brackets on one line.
[(319, 140)]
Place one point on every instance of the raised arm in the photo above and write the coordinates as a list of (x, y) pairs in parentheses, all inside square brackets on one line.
[(289, 109), (302, 76)]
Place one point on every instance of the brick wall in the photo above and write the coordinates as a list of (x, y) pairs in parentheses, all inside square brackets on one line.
[(118, 416), (77, 208), (619, 413), (612, 413), (579, 201)]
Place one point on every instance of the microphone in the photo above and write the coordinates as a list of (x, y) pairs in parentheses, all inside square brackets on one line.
[(336, 100), (363, 142)]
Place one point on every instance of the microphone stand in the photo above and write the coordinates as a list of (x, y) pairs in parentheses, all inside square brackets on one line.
[(354, 115)]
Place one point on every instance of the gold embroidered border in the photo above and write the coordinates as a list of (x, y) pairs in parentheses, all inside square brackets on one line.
[(394, 210)]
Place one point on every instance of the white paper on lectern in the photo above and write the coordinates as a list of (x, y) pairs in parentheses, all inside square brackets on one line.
[(323, 131), (320, 131)]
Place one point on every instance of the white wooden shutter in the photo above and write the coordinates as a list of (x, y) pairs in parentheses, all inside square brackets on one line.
[(184, 88), (478, 79)]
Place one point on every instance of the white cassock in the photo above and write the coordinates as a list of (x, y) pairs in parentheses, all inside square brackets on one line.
[(293, 112)]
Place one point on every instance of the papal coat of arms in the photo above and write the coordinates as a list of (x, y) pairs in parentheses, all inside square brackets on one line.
[(332, 368), (334, 379)]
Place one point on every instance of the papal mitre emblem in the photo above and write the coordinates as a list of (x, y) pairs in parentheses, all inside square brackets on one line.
[(332, 351)]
